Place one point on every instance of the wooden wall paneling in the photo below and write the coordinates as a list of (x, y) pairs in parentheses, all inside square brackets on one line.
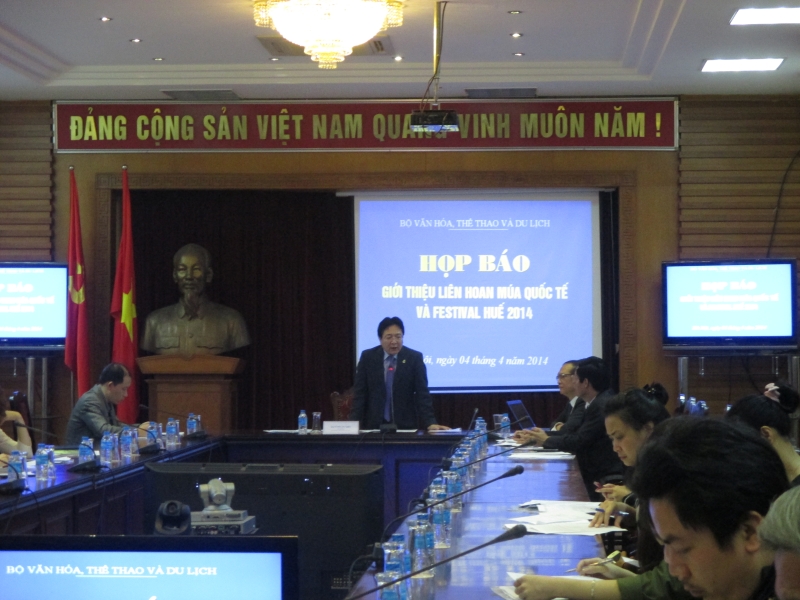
[(26, 160), (733, 156)]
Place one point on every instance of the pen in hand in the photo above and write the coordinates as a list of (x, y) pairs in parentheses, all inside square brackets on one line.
[(610, 559)]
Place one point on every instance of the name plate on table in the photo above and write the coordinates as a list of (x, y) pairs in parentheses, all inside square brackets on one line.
[(340, 427)]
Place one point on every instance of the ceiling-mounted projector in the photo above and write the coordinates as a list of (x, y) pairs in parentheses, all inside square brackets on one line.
[(434, 121)]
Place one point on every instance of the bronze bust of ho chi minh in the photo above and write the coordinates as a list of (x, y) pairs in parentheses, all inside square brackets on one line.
[(194, 325)]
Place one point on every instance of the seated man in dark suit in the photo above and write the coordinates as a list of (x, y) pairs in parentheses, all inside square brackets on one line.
[(589, 442), (566, 386), (392, 384), (571, 417)]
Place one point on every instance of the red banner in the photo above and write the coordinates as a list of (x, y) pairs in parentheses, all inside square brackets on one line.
[(362, 125)]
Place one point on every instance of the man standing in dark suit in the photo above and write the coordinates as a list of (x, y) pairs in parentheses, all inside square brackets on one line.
[(589, 443), (392, 384)]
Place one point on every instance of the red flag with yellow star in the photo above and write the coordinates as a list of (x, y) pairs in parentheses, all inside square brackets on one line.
[(123, 310), (76, 350)]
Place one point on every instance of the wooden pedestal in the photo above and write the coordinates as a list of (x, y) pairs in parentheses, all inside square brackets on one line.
[(200, 384)]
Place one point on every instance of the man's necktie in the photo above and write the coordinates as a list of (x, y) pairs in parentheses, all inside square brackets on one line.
[(388, 413)]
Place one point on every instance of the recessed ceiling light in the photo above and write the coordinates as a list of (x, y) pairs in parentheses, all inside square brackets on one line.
[(515, 12), (105, 19), (274, 59), (516, 35), (158, 59), (519, 54), (742, 64), (398, 58), (766, 16), (136, 40)]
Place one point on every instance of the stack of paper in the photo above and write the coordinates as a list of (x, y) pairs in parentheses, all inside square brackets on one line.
[(562, 518)]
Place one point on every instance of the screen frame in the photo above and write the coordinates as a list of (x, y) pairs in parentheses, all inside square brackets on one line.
[(730, 343), (604, 257), (285, 545), (38, 343)]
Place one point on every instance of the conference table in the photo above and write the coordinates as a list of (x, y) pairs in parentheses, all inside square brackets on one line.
[(486, 512), (111, 502)]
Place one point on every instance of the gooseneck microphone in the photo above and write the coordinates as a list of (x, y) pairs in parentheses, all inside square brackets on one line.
[(33, 429), (512, 534), (518, 470), (472, 421)]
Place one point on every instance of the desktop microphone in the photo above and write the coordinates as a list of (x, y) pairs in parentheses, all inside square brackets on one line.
[(514, 533), (197, 435), (518, 470), (15, 486), (90, 466)]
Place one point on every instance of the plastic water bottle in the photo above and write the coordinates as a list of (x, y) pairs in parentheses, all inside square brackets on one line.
[(85, 450), (15, 466), (114, 449), (125, 444), (395, 570), (106, 450), (134, 443), (302, 423), (423, 546), (42, 462), (172, 435), (505, 427), (399, 541), (441, 522), (453, 482), (51, 461), (191, 424)]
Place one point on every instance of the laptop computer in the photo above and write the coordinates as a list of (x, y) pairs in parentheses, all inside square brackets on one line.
[(521, 415)]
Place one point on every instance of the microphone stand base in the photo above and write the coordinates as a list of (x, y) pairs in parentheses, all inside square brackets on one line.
[(15, 486)]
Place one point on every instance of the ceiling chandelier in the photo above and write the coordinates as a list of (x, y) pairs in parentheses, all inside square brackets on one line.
[(328, 29)]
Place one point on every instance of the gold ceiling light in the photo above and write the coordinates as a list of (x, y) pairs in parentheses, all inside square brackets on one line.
[(328, 29)]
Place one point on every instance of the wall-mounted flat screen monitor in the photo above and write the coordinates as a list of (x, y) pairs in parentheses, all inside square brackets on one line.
[(33, 305), (730, 305), (78, 567)]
